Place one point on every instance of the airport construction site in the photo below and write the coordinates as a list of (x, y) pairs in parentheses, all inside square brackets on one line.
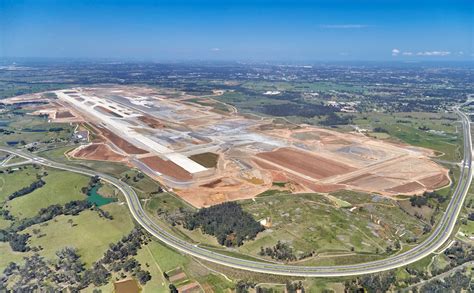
[(208, 153)]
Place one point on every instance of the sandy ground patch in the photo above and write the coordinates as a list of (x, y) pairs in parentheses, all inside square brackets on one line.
[(222, 190)]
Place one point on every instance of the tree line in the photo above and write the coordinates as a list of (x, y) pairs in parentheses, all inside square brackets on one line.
[(18, 242), (28, 189)]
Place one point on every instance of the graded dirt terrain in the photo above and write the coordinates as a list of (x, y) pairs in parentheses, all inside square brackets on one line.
[(209, 153), (305, 163), (166, 168), (97, 151), (120, 142)]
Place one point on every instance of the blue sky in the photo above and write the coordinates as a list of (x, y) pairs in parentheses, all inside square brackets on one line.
[(238, 30)]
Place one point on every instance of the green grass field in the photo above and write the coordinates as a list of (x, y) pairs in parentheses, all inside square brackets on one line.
[(57, 155), (22, 124), (16, 159), (8, 255), (144, 185), (107, 190), (442, 137), (301, 86), (4, 223), (61, 187), (88, 232), (12, 182), (150, 263), (311, 222)]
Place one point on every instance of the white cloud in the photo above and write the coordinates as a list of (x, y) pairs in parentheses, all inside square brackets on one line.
[(395, 52), (344, 26), (215, 49), (433, 53), (408, 53)]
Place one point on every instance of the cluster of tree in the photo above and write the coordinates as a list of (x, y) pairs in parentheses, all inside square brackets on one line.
[(404, 121), (68, 268), (127, 246), (118, 257), (335, 119), (55, 129), (68, 272), (471, 216), (175, 217), (244, 286), (5, 214), (6, 131), (138, 177), (103, 213), (26, 190), (420, 201), (173, 288), (281, 251), (380, 129), (18, 242), (227, 222), (294, 287), (371, 283), (45, 214), (457, 282), (33, 276), (459, 253), (133, 267), (423, 128), (92, 183)]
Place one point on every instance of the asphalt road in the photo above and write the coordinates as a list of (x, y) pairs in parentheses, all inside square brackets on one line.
[(437, 238)]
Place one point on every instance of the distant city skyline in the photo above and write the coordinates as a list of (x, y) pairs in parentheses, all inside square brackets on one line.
[(238, 30)]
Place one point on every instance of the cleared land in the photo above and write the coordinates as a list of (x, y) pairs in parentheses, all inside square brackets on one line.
[(167, 168), (97, 151), (211, 156), (308, 164), (120, 142)]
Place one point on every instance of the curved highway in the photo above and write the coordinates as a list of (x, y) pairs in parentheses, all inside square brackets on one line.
[(437, 238)]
